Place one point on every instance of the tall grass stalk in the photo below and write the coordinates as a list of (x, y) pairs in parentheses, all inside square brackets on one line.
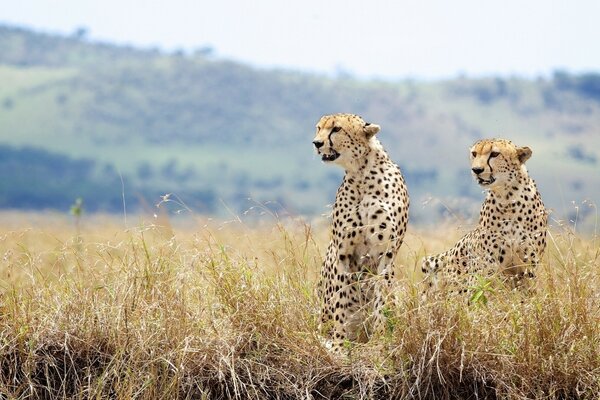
[(229, 311)]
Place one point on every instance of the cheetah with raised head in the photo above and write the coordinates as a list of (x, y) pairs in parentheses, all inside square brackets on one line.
[(511, 235), (369, 220)]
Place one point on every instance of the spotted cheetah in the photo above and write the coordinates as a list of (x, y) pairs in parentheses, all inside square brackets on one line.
[(369, 220), (511, 235)]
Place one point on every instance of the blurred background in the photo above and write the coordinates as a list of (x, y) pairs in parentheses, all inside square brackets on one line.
[(120, 103)]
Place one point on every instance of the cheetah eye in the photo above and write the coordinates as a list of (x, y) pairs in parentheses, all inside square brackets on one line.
[(494, 154), (336, 129), (474, 153)]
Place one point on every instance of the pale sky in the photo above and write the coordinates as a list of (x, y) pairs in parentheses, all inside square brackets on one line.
[(387, 39)]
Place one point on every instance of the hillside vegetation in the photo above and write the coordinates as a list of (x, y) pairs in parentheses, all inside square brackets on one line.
[(223, 310), (218, 133)]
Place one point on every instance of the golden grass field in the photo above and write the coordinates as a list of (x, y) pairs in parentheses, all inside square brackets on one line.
[(149, 309)]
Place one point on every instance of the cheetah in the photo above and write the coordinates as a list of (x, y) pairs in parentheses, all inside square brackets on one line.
[(511, 234), (369, 219)]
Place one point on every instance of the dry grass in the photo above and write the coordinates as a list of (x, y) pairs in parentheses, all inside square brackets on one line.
[(227, 311)]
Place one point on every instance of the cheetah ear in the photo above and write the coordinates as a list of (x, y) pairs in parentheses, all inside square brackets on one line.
[(371, 129), (523, 154)]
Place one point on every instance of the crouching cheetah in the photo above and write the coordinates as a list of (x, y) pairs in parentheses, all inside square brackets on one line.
[(511, 235), (368, 225)]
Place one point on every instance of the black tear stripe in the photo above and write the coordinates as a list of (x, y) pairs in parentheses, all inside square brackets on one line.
[(331, 133), (488, 163), (330, 141)]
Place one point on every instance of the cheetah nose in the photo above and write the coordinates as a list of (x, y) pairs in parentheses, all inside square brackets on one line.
[(477, 170), (318, 143)]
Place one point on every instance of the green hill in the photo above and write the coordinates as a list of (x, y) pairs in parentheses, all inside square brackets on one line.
[(215, 131)]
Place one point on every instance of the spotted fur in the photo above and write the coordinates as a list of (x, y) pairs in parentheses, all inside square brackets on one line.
[(511, 235), (368, 225)]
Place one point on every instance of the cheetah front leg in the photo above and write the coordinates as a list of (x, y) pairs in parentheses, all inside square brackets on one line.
[(381, 242), (341, 318), (453, 269), (350, 304), (383, 288), (524, 263), (346, 295), (430, 267), (326, 289)]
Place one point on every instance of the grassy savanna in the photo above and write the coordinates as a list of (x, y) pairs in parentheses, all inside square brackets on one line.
[(201, 309)]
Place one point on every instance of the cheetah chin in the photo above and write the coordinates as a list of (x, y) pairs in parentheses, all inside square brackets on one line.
[(330, 157), (483, 182)]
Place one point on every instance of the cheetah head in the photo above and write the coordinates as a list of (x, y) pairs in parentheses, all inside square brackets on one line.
[(343, 138), (494, 162)]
